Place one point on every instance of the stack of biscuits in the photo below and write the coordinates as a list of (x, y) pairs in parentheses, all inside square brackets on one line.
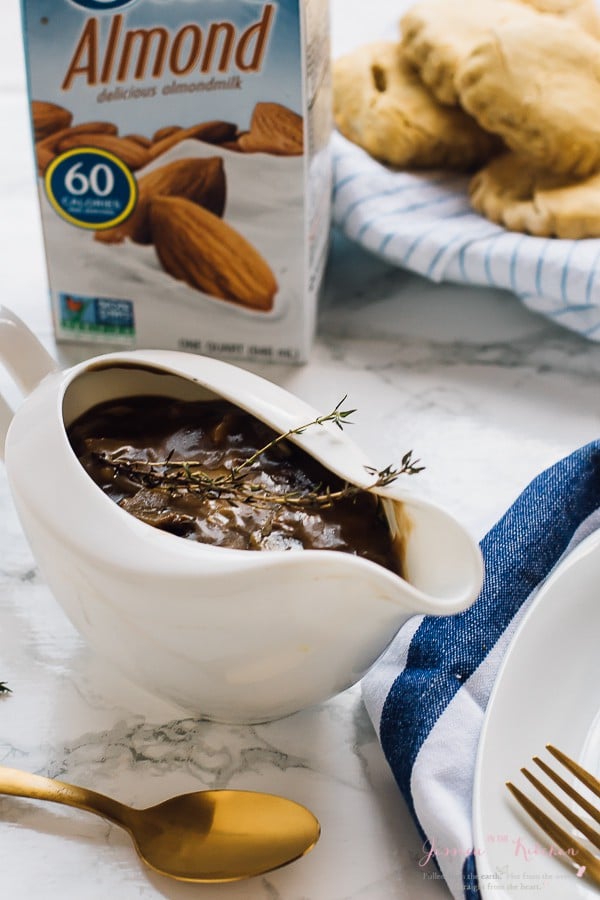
[(507, 89)]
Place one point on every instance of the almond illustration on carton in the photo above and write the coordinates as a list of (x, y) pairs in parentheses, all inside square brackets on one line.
[(44, 158), (140, 139), (199, 180), (274, 129), (129, 152), (48, 117), (197, 247), (210, 132), (46, 148), (165, 132)]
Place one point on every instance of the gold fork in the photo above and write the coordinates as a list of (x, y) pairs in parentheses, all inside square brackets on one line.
[(586, 863)]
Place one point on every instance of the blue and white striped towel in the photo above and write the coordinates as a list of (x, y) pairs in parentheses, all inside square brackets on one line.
[(427, 695), (424, 222)]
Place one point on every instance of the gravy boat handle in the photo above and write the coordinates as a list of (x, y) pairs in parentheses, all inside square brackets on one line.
[(27, 361)]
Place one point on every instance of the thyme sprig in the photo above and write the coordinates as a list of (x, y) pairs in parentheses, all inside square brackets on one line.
[(337, 415), (408, 466), (187, 476)]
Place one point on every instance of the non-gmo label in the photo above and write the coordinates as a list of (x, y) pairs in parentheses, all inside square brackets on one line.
[(100, 316), (91, 188)]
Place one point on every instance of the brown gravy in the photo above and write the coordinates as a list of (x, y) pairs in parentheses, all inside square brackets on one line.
[(219, 436)]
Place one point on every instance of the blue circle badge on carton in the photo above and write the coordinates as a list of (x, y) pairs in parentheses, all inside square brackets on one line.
[(102, 4), (91, 188)]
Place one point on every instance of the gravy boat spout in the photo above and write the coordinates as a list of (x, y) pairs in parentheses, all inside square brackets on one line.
[(231, 635)]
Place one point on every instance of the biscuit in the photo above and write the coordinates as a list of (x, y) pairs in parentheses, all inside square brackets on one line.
[(512, 193), (580, 12), (381, 105), (439, 36), (539, 89)]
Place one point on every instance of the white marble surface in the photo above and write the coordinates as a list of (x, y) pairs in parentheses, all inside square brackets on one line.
[(486, 393)]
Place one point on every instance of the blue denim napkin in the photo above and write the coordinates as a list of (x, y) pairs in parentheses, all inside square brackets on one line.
[(428, 694)]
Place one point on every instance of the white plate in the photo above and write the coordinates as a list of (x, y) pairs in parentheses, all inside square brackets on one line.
[(547, 691)]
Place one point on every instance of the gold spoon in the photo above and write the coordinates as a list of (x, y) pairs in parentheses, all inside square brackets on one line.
[(205, 836)]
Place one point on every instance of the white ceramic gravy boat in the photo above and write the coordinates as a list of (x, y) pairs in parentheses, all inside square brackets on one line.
[(232, 635)]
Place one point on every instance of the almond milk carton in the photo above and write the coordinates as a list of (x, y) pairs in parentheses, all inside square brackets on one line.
[(184, 171)]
